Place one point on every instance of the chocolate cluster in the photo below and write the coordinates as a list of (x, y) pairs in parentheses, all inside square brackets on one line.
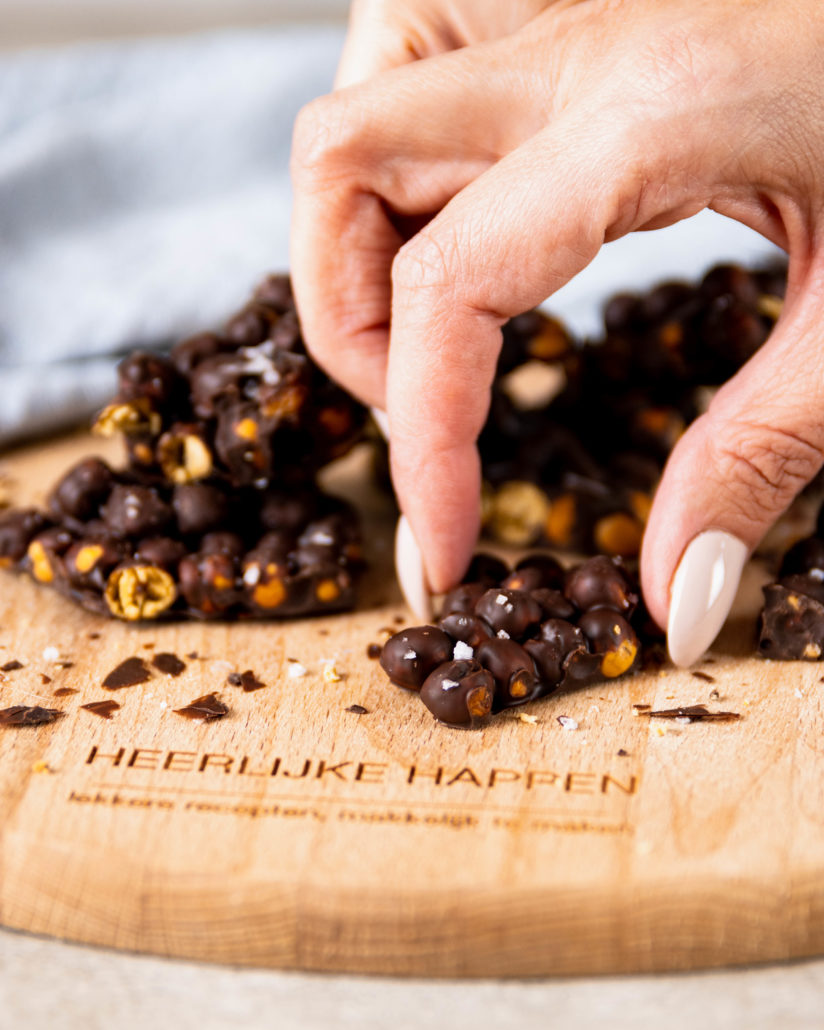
[(506, 637), (217, 513), (577, 470), (791, 623), (136, 551), (246, 405)]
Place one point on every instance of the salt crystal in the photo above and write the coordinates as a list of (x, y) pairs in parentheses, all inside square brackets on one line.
[(567, 722), (51, 654), (410, 654), (502, 633), (798, 693), (501, 599), (295, 670), (449, 684), (462, 650)]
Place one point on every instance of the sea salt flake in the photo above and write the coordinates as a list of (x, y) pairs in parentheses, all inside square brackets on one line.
[(502, 633), (462, 651), (295, 670), (51, 654), (501, 599), (567, 722), (410, 654), (798, 693), (449, 684)]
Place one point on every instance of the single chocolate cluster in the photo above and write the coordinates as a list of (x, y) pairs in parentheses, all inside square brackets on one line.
[(791, 623), (122, 547), (506, 637), (247, 405), (578, 472)]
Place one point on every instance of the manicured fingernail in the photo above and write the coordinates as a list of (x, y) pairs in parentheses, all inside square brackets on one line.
[(703, 590), (409, 567), (381, 421)]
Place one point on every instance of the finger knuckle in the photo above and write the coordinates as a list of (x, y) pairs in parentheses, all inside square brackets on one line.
[(763, 467), (422, 264), (324, 134)]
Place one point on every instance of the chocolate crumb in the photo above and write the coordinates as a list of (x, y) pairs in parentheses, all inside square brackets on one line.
[(102, 708), (193, 656), (205, 708), (622, 753), (11, 666), (65, 665), (234, 679), (94, 636), (25, 715), (147, 647), (168, 663), (693, 713), (373, 651), (65, 692), (323, 632), (641, 707), (703, 676), (399, 620), (250, 682), (357, 710), (129, 673), (44, 679)]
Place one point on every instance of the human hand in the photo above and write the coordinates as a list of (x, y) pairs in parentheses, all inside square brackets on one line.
[(436, 200)]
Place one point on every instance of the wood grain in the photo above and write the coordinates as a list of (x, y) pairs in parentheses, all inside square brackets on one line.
[(294, 833)]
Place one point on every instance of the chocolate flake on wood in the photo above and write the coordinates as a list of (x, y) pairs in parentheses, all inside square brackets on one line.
[(11, 666), (204, 709), (168, 663), (693, 713), (26, 715), (129, 673), (703, 676), (65, 691), (247, 680), (357, 710), (102, 708)]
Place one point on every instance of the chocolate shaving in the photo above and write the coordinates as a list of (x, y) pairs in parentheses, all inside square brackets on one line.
[(102, 708), (25, 715), (192, 656), (703, 676), (247, 680), (641, 707), (622, 753), (168, 663), (65, 691), (129, 673), (11, 666), (44, 679), (693, 713), (204, 708), (373, 651), (357, 710), (94, 636), (65, 665)]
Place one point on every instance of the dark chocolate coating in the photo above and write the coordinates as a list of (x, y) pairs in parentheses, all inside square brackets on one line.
[(162, 551), (209, 582), (82, 490), (135, 511), (463, 598), (199, 508), (18, 527), (791, 625), (512, 669), (459, 693), (466, 627), (803, 556), (509, 611), (410, 656), (150, 376), (612, 637), (600, 583), (89, 562)]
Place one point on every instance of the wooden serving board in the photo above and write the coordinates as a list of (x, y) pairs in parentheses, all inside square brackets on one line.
[(296, 833)]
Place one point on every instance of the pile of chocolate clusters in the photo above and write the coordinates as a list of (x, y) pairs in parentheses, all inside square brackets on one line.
[(791, 624), (506, 637), (217, 512), (579, 471)]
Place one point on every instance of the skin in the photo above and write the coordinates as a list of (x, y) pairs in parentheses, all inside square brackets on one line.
[(474, 160)]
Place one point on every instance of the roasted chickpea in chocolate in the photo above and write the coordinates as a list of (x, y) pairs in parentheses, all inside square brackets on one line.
[(208, 582), (410, 656), (512, 669), (463, 598), (82, 490), (459, 693), (135, 511), (612, 638), (600, 583), (509, 612), (468, 628)]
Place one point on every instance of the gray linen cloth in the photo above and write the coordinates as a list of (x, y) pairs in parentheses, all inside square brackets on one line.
[(144, 189)]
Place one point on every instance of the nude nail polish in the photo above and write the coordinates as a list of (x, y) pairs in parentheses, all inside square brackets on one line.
[(702, 593), (410, 571)]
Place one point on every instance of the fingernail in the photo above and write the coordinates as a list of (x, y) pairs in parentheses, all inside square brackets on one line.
[(381, 421), (409, 567), (703, 590)]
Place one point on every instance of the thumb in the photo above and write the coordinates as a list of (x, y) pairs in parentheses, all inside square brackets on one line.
[(732, 474)]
